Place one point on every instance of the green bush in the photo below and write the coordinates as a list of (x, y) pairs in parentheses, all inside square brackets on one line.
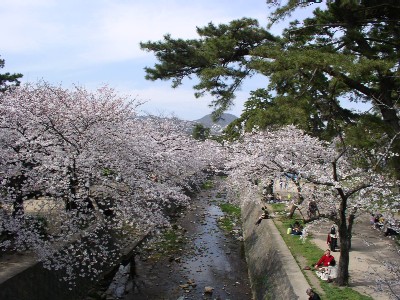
[(207, 185)]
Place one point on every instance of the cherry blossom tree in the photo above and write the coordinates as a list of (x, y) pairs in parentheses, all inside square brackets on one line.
[(108, 171), (326, 172)]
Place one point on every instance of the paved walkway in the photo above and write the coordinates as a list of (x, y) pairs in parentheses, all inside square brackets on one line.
[(370, 250)]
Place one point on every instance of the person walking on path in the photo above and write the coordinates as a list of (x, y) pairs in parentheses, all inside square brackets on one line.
[(332, 238)]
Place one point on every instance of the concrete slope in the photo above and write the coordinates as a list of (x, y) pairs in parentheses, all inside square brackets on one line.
[(273, 272)]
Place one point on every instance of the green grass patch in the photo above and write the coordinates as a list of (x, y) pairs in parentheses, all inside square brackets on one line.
[(207, 185), (226, 223), (278, 207), (333, 292), (170, 243), (108, 172), (230, 209), (309, 250), (231, 216)]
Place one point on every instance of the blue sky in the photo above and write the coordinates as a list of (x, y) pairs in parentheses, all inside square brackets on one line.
[(95, 42)]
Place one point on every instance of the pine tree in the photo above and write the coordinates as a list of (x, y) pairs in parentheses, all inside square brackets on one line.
[(8, 80)]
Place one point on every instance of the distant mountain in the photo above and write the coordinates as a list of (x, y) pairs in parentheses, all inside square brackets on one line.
[(219, 126)]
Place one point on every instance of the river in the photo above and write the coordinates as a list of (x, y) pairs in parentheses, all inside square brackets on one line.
[(208, 264)]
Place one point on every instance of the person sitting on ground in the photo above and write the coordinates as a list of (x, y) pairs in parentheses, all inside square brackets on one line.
[(379, 221), (264, 215), (332, 273), (296, 224), (391, 228), (312, 295), (297, 229), (328, 274), (326, 260), (372, 219)]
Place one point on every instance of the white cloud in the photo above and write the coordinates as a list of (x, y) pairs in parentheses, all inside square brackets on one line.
[(26, 29), (73, 33), (121, 26), (91, 42)]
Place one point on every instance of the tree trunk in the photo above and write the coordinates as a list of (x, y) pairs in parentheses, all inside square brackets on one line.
[(345, 236), (300, 199), (343, 269), (292, 210), (270, 190), (71, 201), (16, 184), (18, 207)]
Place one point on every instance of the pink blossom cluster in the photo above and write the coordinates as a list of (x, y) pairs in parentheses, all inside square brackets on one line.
[(111, 172)]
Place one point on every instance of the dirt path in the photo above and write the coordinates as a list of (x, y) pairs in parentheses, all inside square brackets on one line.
[(209, 258)]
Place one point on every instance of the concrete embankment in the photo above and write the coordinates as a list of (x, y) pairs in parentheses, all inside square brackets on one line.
[(273, 272)]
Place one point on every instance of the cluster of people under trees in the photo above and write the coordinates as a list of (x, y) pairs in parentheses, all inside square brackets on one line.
[(388, 225)]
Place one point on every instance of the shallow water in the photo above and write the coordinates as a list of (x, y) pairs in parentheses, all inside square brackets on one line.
[(209, 258)]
